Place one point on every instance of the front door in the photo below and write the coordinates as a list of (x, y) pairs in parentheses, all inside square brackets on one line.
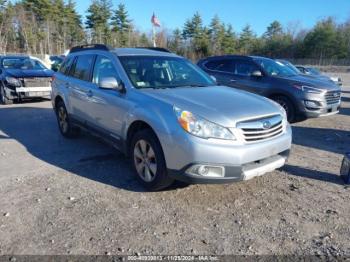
[(109, 107), (245, 80)]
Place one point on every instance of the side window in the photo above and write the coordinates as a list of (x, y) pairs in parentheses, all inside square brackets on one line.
[(64, 69), (220, 65), (103, 68), (82, 67), (245, 68)]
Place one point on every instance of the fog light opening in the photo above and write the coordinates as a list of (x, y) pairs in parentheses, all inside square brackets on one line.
[(312, 104), (206, 171)]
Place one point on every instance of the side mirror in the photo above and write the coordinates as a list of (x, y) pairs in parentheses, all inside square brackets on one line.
[(256, 73), (214, 79), (111, 83)]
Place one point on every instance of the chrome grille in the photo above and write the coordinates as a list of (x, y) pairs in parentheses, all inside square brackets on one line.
[(332, 97), (261, 129), (37, 82)]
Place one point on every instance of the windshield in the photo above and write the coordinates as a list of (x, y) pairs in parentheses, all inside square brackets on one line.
[(163, 72), (313, 71), (273, 68), (22, 63)]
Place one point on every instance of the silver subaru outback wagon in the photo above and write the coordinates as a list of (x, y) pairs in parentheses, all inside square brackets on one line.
[(169, 116)]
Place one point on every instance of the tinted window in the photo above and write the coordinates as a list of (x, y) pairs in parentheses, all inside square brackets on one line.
[(64, 69), (245, 68), (272, 68), (82, 67), (220, 65), (103, 68)]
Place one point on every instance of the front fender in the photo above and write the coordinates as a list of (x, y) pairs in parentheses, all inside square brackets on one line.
[(160, 117)]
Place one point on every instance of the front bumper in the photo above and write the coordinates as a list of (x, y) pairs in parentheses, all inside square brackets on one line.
[(27, 92), (321, 109), (240, 162), (44, 91), (233, 173)]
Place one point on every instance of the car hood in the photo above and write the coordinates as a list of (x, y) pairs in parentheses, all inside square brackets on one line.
[(321, 83), (19, 73), (222, 105)]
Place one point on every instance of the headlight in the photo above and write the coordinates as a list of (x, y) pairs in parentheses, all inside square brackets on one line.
[(334, 79), (200, 127), (13, 81), (308, 89)]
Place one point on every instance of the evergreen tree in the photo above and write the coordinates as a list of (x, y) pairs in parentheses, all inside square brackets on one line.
[(97, 20), (321, 42), (198, 35), (193, 27), (275, 42), (246, 40), (74, 33), (229, 43), (273, 30), (217, 35), (175, 42), (121, 25)]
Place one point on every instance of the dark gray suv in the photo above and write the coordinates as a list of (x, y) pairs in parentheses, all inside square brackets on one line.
[(301, 96)]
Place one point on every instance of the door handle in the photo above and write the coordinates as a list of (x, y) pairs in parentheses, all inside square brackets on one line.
[(89, 93)]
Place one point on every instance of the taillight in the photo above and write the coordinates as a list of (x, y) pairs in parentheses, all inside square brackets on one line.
[(53, 78)]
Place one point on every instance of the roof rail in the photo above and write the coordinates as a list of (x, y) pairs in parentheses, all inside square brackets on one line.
[(160, 49), (89, 47)]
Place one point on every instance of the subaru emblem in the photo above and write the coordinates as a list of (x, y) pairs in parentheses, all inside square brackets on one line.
[(266, 125)]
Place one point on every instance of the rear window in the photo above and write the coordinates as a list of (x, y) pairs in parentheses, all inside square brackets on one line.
[(82, 67)]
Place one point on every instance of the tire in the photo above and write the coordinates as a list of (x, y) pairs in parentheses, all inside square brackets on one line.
[(148, 161), (3, 99), (65, 125), (287, 105)]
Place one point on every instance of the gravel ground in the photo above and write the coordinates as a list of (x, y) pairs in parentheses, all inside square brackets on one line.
[(61, 196)]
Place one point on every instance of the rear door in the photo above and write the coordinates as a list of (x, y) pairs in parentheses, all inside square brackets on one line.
[(61, 80), (80, 86)]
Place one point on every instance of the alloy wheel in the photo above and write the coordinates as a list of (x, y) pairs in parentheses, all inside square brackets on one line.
[(62, 119), (145, 160), (2, 94)]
